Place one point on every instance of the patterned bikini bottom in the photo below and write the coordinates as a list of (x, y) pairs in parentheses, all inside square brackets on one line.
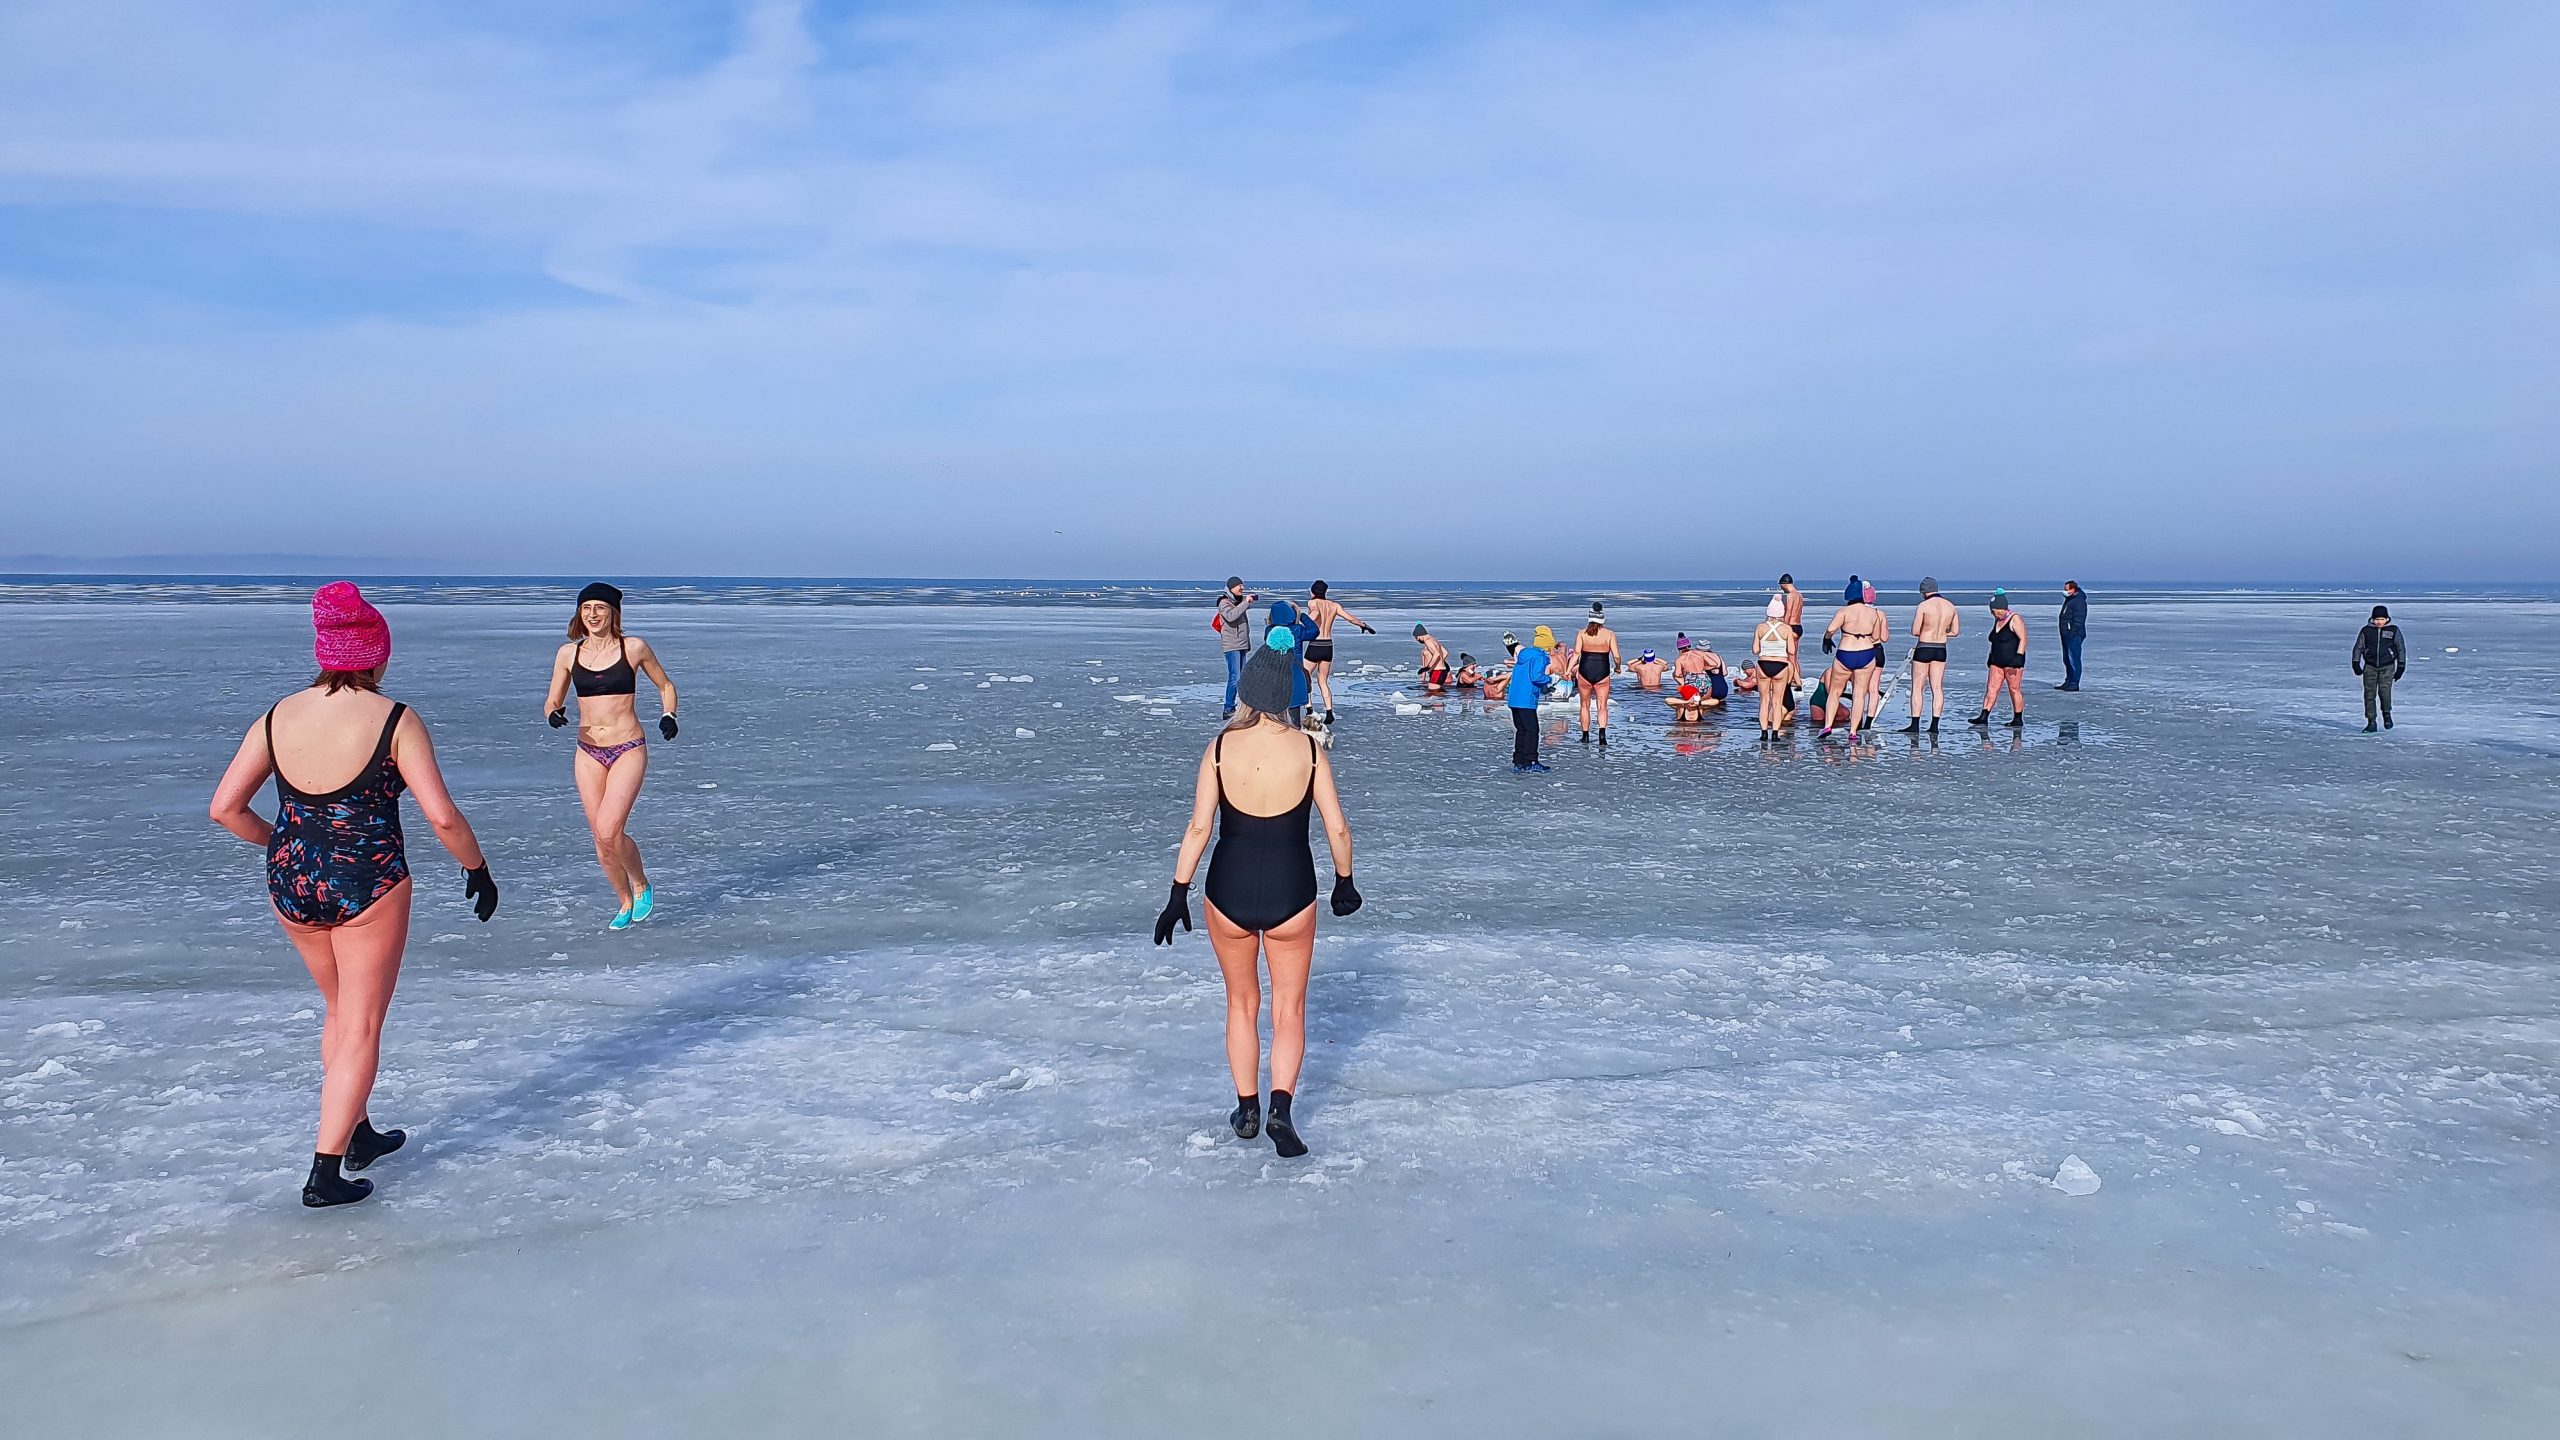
[(605, 755)]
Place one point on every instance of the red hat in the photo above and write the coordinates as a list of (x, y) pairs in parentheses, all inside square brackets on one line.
[(348, 633)]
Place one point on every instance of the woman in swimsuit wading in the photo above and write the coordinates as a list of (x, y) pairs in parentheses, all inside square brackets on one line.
[(605, 666), (1595, 659), (1860, 631), (337, 871), (1257, 781)]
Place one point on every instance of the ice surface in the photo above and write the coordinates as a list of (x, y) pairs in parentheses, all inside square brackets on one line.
[(1687, 1089)]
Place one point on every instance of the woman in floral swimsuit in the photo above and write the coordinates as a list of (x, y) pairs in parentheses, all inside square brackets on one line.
[(337, 871)]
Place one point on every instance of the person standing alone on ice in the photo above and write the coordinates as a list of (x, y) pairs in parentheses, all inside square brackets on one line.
[(2381, 657)]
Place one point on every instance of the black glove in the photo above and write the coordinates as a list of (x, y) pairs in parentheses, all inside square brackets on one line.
[(667, 726), (1365, 630), (481, 891), (1346, 896), (2399, 672), (2356, 665), (558, 717), (1176, 908), (1826, 644)]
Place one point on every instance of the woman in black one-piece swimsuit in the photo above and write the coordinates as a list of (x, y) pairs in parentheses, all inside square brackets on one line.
[(1262, 880)]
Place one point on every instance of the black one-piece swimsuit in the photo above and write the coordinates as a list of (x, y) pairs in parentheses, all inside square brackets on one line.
[(1263, 871)]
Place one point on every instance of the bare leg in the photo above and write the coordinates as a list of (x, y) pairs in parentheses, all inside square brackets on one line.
[(1324, 683), (1933, 674), (1239, 963), (356, 966), (1289, 949), (1991, 691), (1863, 701), (608, 795), (1600, 688), (2017, 690)]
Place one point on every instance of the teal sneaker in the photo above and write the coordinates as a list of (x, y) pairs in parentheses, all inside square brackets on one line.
[(641, 907), (621, 919)]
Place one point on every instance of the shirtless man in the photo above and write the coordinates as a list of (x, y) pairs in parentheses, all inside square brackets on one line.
[(1794, 599), (1648, 668), (1932, 626), (1320, 650), (1860, 630), (1435, 661)]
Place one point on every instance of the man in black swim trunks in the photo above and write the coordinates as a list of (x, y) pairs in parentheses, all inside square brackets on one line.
[(1932, 626), (1319, 657)]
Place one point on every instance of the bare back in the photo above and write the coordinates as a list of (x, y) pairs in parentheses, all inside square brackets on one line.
[(1936, 621), (1266, 768), (323, 741)]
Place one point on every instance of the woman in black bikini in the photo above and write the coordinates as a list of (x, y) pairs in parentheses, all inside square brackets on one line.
[(613, 753), (1262, 881), (337, 869), (1595, 659)]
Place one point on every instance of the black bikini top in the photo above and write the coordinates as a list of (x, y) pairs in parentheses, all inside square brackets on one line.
[(617, 678)]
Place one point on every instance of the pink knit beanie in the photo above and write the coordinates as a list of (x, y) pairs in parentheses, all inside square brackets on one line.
[(349, 633)]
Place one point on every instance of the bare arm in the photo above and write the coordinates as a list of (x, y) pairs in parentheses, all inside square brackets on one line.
[(1337, 830), (558, 694), (415, 754), (249, 769), (1341, 613), (1204, 807), (647, 661)]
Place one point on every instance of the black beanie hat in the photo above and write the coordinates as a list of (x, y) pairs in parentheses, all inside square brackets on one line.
[(601, 591), (2381, 612)]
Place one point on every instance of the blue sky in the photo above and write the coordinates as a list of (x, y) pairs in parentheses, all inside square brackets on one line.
[(2153, 290)]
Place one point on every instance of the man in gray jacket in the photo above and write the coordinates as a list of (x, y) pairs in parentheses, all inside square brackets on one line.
[(1235, 634), (2380, 656)]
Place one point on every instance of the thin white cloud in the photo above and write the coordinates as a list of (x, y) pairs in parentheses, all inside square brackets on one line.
[(977, 260)]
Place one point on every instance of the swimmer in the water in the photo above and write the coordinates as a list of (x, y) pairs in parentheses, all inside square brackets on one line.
[(612, 757), (1469, 676), (1773, 654), (1256, 782), (1860, 631), (2008, 663), (1932, 626), (1648, 670), (1689, 704), (337, 868), (1595, 659), (1435, 660), (1319, 656)]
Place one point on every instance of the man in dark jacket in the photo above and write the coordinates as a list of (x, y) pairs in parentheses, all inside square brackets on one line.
[(2075, 628), (2380, 656)]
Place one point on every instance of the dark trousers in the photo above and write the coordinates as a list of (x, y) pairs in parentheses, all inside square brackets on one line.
[(2377, 689), (2071, 660), (1524, 735)]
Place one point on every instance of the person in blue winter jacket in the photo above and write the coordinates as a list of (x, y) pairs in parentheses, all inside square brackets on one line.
[(1528, 681)]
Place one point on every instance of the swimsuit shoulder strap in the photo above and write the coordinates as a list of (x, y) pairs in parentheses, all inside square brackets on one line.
[(272, 762), (625, 642), (390, 723)]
